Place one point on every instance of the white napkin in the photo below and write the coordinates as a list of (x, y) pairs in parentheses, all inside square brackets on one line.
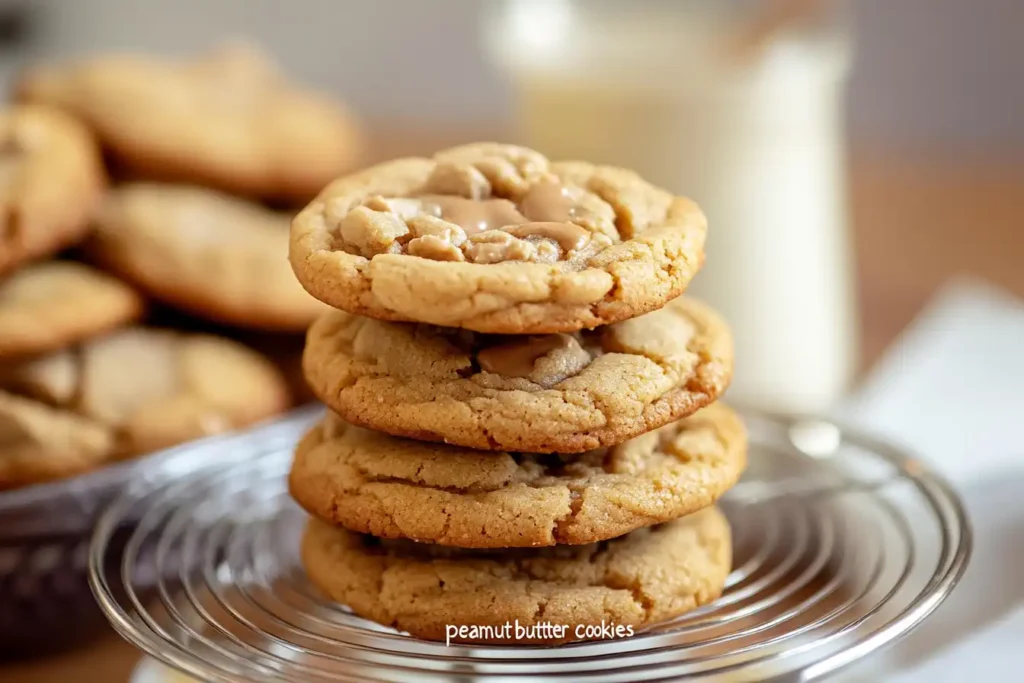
[(952, 389)]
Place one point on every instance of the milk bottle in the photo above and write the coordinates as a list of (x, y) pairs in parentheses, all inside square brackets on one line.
[(758, 142)]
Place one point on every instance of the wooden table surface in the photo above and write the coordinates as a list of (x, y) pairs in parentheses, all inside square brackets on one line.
[(917, 223)]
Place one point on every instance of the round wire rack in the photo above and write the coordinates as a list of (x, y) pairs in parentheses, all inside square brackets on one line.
[(841, 545)]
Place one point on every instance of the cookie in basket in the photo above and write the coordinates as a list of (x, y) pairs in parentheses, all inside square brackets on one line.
[(648, 576), (227, 119), (48, 306), (204, 252), (155, 388), (373, 483), (51, 178), (563, 393), (40, 443), (497, 238)]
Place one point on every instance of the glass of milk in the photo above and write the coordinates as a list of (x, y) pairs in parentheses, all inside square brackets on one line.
[(755, 136)]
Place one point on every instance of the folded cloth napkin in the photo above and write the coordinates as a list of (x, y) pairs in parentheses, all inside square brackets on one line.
[(952, 390)]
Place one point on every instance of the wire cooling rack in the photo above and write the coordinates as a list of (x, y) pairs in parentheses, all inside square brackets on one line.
[(841, 545)]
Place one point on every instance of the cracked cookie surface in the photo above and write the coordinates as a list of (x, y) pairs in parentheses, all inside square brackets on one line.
[(51, 178), (50, 305), (377, 484), (228, 119), (497, 238), (154, 388), (646, 577), (549, 393), (208, 253)]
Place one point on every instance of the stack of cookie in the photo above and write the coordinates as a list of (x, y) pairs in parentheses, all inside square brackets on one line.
[(522, 444), (198, 151)]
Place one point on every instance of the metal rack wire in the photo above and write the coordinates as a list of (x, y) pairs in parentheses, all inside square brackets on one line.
[(842, 544)]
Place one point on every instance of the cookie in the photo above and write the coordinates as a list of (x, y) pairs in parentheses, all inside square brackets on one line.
[(209, 254), (227, 119), (646, 577), (39, 443), (563, 393), (51, 305), (155, 388), (496, 238), (377, 484), (51, 178)]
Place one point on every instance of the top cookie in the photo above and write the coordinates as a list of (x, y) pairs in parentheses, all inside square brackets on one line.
[(228, 119), (51, 177), (496, 238)]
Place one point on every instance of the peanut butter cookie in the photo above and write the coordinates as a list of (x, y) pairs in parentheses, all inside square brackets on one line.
[(227, 119), (51, 177), (373, 483), (155, 388), (207, 253), (496, 238), (633, 582), (563, 393), (47, 306), (39, 443)]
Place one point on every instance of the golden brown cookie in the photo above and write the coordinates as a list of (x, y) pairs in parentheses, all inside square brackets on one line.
[(377, 484), (39, 443), (155, 388), (207, 253), (47, 306), (648, 576), (564, 393), (227, 119), (51, 177), (496, 238)]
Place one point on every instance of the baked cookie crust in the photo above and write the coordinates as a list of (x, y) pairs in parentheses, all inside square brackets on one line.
[(648, 576), (372, 483), (154, 388), (47, 306), (496, 238), (51, 179), (227, 119), (39, 443), (205, 252), (564, 393)]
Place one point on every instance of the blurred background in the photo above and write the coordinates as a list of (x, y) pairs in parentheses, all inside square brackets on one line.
[(921, 120), (938, 75), (906, 118), (856, 161)]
